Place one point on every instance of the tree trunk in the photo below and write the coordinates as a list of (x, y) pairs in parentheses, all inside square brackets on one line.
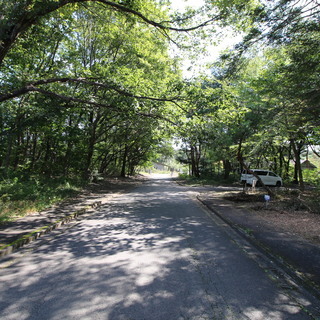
[(281, 161), (227, 168), (93, 123), (195, 158), (296, 151), (46, 166), (8, 153), (124, 162), (33, 151)]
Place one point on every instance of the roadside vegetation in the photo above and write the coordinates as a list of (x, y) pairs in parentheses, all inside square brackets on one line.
[(22, 195), (95, 89), (212, 180)]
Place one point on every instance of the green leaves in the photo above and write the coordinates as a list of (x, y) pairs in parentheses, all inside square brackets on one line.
[(90, 95)]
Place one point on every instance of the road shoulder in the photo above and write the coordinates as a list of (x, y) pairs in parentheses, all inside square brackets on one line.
[(299, 257)]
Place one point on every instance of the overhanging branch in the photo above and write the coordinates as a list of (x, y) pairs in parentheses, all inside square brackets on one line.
[(13, 28), (33, 86), (159, 25)]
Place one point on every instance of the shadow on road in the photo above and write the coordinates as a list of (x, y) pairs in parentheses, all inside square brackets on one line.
[(151, 254)]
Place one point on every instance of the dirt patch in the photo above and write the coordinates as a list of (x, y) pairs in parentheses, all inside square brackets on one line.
[(105, 186), (113, 184), (244, 197), (291, 212)]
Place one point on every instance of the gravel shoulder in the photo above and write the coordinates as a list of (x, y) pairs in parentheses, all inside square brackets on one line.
[(283, 215)]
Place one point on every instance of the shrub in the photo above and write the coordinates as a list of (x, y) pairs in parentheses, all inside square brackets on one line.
[(312, 177), (20, 196)]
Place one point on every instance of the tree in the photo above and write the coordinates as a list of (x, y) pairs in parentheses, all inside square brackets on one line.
[(94, 76), (19, 16)]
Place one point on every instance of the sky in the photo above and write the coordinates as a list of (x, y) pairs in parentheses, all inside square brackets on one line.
[(181, 4), (190, 68)]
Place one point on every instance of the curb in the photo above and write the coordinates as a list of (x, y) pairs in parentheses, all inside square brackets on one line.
[(302, 280), (34, 235)]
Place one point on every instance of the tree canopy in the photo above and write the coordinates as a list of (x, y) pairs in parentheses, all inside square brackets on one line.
[(92, 86)]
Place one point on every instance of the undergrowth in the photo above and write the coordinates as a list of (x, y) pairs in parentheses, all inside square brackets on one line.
[(213, 180), (289, 198), (20, 196)]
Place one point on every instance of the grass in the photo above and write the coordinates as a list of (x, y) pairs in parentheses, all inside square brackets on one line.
[(22, 196), (289, 197)]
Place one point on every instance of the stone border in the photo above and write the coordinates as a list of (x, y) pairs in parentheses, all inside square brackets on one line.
[(32, 236), (280, 261)]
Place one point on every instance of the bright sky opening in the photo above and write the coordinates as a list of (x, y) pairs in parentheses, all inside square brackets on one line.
[(195, 68)]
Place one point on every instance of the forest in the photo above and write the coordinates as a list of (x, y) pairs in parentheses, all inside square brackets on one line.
[(97, 88)]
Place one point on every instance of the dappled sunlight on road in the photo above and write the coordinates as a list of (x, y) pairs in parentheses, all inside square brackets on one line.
[(149, 254)]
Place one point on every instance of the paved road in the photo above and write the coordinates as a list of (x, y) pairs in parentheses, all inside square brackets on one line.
[(150, 254)]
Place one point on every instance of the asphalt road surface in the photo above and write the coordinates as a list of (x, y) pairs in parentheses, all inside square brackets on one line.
[(153, 253)]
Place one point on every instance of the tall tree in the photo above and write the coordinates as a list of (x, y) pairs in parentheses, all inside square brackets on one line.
[(78, 87)]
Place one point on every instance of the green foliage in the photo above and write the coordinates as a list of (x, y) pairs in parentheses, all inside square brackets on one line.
[(312, 177), (212, 179), (87, 88), (23, 194), (101, 98), (267, 112)]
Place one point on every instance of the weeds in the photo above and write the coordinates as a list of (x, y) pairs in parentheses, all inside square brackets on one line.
[(20, 196)]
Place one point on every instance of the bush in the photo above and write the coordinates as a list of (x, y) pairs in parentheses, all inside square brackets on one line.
[(312, 177), (20, 196), (212, 179)]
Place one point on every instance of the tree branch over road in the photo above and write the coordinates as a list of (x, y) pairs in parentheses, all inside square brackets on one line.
[(33, 86), (23, 17)]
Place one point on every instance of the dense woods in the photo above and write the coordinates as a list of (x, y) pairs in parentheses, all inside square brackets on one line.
[(83, 89), (93, 87), (262, 98)]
